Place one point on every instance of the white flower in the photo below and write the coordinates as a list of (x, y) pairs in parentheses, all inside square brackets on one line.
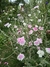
[(27, 1), (16, 48), (20, 4), (36, 17), (24, 24), (36, 25), (39, 20), (8, 18), (20, 57), (15, 26), (48, 22), (29, 15), (40, 53), (3, 10), (31, 19), (7, 25), (15, 19), (13, 8), (23, 33), (38, 11), (10, 10), (6, 13), (22, 21), (36, 7)]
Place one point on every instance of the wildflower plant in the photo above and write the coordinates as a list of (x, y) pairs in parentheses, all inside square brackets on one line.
[(27, 35)]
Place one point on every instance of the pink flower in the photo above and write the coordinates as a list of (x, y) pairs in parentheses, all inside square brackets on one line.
[(21, 40), (47, 50), (29, 26), (18, 14), (41, 28), (6, 63), (38, 41), (20, 57), (35, 28), (30, 32)]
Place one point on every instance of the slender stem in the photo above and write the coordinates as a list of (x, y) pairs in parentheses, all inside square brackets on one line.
[(7, 57)]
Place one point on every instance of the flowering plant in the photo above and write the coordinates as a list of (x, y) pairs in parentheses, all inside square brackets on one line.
[(27, 35)]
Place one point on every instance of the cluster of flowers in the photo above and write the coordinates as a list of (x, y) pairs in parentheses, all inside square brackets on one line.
[(6, 63), (40, 52), (27, 30)]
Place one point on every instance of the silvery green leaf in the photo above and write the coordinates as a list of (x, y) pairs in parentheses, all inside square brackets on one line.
[(27, 1), (12, 1)]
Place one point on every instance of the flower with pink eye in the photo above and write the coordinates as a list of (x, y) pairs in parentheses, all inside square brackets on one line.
[(35, 28), (38, 41), (20, 57), (30, 32), (6, 63), (29, 26), (21, 40), (41, 28)]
